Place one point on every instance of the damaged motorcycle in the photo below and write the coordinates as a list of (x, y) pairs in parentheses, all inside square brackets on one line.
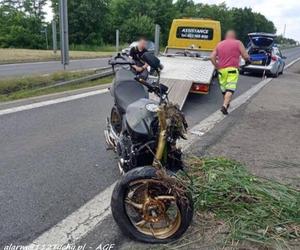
[(149, 203)]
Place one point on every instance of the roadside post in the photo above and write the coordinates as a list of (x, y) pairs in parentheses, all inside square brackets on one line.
[(156, 39), (117, 40), (54, 37), (45, 31), (64, 32)]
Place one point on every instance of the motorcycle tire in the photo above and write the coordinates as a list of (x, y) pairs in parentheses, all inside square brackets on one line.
[(184, 210)]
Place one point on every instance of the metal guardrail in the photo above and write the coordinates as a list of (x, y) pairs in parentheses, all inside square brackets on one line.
[(103, 72)]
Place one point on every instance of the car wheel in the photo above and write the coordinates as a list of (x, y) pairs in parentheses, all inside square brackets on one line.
[(276, 74), (282, 70)]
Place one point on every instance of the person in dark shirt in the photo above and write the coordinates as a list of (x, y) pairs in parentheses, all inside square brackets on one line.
[(136, 54)]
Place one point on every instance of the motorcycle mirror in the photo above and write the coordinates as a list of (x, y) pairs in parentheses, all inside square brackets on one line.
[(151, 59)]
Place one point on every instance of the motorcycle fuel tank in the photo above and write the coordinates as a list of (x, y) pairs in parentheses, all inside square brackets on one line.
[(140, 115)]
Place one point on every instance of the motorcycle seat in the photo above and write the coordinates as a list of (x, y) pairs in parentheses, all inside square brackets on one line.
[(127, 90)]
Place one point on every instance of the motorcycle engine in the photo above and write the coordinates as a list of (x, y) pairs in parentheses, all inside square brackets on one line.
[(134, 154)]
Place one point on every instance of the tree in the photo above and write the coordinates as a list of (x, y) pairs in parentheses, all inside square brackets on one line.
[(163, 13), (185, 8), (13, 4), (135, 27), (19, 30), (30, 7), (88, 21), (160, 12), (216, 12), (286, 41), (246, 21), (262, 24), (93, 22), (35, 8)]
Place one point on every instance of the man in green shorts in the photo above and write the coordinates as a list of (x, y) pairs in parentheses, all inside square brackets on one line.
[(226, 59)]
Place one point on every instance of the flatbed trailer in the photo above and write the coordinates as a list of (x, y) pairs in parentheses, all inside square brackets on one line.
[(184, 75), (187, 68)]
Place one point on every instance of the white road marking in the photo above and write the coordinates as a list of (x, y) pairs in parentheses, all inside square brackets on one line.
[(85, 219), (79, 223), (292, 63), (51, 102), (207, 124)]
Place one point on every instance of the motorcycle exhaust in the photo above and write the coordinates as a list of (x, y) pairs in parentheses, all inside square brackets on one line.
[(120, 166), (108, 139), (111, 137)]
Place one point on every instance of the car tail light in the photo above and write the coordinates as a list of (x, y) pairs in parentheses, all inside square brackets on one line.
[(199, 87), (274, 58)]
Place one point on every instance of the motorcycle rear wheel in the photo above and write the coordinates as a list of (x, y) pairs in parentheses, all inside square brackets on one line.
[(116, 120), (147, 210)]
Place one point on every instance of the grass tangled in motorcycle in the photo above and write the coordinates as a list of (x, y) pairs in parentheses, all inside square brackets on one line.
[(256, 210)]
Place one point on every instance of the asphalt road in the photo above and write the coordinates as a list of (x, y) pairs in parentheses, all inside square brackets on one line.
[(53, 159), (20, 69)]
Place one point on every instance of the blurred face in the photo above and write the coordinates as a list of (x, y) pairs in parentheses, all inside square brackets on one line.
[(230, 34), (142, 44)]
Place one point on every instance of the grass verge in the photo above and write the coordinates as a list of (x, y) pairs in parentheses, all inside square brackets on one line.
[(254, 209), (30, 55), (24, 87)]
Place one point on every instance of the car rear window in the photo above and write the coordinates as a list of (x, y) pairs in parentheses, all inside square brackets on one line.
[(262, 41), (195, 33)]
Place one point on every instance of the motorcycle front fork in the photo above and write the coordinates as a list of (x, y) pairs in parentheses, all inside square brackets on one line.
[(162, 140)]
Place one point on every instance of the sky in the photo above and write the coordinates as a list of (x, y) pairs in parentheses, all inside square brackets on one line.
[(281, 12)]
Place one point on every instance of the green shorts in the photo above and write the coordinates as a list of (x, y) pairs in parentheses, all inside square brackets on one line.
[(228, 78)]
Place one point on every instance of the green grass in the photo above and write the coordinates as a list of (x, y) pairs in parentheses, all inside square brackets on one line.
[(24, 87), (103, 48), (287, 46), (256, 210), (30, 55)]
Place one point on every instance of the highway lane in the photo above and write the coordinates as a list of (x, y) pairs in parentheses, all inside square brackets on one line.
[(53, 159), (21, 69)]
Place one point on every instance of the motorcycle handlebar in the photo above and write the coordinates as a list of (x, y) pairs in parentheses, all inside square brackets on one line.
[(145, 83), (160, 90), (120, 60)]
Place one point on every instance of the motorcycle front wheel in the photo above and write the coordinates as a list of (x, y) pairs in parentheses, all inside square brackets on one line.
[(148, 210)]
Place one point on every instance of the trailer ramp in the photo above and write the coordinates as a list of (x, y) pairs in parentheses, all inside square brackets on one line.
[(178, 91), (179, 73)]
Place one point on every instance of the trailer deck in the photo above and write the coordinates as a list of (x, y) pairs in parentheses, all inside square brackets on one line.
[(193, 69), (179, 74)]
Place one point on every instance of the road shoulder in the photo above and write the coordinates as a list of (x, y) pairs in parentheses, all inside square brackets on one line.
[(264, 135)]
